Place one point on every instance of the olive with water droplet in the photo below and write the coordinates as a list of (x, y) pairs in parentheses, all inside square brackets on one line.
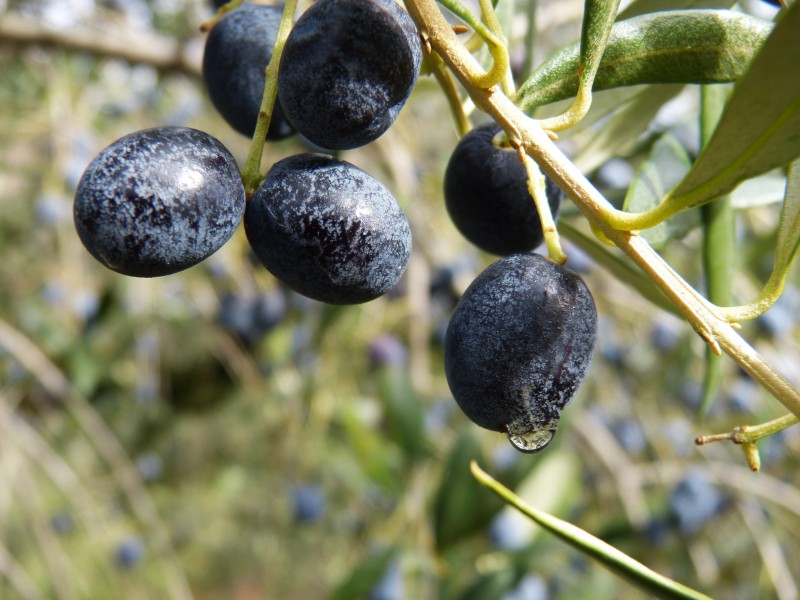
[(519, 345)]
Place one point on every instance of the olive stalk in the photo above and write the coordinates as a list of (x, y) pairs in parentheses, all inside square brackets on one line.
[(251, 174), (528, 134)]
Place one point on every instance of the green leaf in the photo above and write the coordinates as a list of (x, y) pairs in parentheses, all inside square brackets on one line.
[(760, 129), (789, 226), (463, 13), (493, 585), (405, 413), (613, 559), (454, 518), (769, 188), (598, 19), (663, 169), (694, 46), (620, 267), (642, 7)]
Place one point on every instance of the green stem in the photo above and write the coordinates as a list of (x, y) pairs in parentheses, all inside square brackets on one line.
[(616, 561), (530, 37), (526, 132), (750, 434), (497, 47), (251, 174), (221, 12), (718, 240), (538, 191)]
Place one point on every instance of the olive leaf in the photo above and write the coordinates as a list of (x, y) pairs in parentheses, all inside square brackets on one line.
[(598, 19), (454, 519), (769, 188), (641, 7), (760, 128), (663, 169), (789, 226), (610, 557), (694, 46)]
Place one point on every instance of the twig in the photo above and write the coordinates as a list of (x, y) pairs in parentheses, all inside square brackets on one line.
[(163, 53), (526, 132)]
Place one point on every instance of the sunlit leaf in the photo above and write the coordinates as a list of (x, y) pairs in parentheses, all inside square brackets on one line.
[(759, 191), (663, 169), (760, 129), (598, 18), (696, 46)]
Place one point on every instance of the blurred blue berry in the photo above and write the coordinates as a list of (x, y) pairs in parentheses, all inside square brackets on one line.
[(129, 553), (62, 523), (743, 396), (387, 350), (531, 587), (630, 435), (390, 586), (308, 503), (150, 466), (663, 336), (694, 501), (505, 533)]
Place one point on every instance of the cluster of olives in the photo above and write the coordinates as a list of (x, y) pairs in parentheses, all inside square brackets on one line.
[(161, 200), (521, 339)]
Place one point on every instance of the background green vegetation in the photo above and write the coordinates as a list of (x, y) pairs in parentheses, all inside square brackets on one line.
[(148, 451)]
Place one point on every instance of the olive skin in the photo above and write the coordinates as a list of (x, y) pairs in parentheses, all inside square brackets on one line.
[(519, 345), (236, 54), (347, 69), (328, 230), (487, 198), (158, 201)]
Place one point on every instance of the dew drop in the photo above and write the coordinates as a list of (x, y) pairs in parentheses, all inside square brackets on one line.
[(532, 441)]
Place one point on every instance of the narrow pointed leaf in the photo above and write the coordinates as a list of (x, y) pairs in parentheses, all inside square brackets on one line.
[(613, 559), (598, 19), (664, 168), (769, 188), (694, 46), (789, 227), (760, 129)]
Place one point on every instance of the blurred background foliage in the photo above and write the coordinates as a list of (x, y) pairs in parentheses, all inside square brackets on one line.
[(213, 435)]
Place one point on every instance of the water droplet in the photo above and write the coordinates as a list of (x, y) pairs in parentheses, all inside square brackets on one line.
[(533, 441)]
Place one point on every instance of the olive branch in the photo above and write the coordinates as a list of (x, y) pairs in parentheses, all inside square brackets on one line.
[(712, 323)]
